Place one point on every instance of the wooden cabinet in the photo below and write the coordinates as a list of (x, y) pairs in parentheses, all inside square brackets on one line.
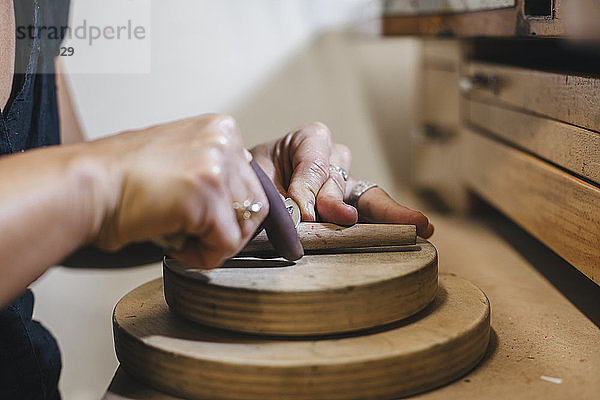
[(517, 122), (533, 151)]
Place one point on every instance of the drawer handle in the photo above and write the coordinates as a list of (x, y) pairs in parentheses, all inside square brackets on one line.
[(482, 81), (432, 132)]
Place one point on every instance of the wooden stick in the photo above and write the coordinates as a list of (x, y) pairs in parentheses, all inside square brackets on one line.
[(330, 237)]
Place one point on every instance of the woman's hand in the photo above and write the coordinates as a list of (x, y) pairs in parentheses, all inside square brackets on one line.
[(179, 178), (299, 164)]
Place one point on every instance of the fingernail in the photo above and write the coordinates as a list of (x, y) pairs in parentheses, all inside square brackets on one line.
[(310, 208), (248, 155)]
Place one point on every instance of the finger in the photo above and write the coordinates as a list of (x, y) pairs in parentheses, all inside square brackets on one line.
[(330, 199), (248, 155), (245, 186), (217, 234), (377, 206), (311, 150), (203, 253)]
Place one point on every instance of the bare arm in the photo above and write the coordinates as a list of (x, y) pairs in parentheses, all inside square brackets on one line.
[(129, 188), (45, 212), (70, 129)]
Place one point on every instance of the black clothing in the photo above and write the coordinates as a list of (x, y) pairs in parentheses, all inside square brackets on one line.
[(29, 356)]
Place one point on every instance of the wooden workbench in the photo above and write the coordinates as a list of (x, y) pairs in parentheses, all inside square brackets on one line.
[(537, 331)]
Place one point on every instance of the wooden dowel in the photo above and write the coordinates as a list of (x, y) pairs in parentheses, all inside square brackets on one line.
[(319, 236)]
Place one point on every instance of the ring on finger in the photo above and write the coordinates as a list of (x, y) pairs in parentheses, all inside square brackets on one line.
[(358, 190), (246, 209), (339, 170)]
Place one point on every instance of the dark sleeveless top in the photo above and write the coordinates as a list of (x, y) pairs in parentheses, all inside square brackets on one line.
[(29, 357)]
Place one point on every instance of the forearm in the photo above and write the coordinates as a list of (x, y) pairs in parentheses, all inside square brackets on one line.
[(90, 256), (50, 204)]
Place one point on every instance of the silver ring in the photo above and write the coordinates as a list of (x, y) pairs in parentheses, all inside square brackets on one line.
[(176, 242), (340, 171), (358, 190), (247, 209)]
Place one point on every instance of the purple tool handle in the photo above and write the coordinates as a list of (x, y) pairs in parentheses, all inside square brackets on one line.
[(279, 224)]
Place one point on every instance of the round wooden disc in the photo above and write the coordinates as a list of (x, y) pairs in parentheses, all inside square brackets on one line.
[(320, 294), (441, 343)]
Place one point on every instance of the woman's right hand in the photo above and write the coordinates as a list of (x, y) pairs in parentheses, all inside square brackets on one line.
[(177, 178)]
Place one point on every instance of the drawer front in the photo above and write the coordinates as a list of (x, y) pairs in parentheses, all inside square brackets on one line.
[(575, 149), (443, 6), (440, 100), (436, 142), (559, 209), (567, 98)]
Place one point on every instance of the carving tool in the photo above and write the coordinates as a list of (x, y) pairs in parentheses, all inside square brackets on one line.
[(279, 226)]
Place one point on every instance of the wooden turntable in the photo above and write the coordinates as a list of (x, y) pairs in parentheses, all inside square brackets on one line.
[(372, 324)]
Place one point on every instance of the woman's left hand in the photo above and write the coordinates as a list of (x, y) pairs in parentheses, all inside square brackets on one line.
[(299, 165)]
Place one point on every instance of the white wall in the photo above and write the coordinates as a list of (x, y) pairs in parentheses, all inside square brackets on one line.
[(206, 55), (221, 56)]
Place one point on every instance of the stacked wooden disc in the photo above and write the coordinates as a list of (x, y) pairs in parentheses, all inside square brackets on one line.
[(319, 294), (337, 326)]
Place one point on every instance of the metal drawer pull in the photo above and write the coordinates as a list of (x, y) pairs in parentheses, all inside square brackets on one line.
[(482, 81)]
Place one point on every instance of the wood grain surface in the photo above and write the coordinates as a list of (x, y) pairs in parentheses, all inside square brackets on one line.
[(317, 295), (559, 209), (569, 98), (537, 330), (319, 237), (441, 343), (568, 146), (505, 22), (479, 23), (394, 7)]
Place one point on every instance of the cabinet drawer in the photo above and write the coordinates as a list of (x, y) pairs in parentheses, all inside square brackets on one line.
[(559, 209), (575, 149), (440, 100), (567, 98)]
